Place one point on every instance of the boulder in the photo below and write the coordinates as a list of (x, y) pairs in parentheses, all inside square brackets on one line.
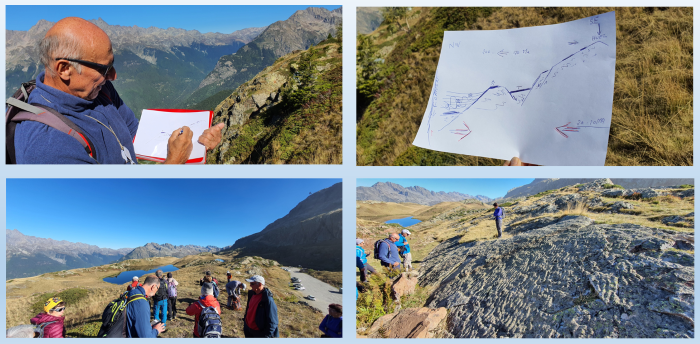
[(612, 193), (408, 323), (404, 285)]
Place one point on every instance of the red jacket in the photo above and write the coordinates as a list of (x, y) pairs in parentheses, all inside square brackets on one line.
[(55, 330), (133, 285), (196, 310)]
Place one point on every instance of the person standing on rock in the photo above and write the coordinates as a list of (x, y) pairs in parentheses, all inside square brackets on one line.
[(360, 251), (332, 324), (233, 288), (172, 296), (228, 276), (498, 216), (138, 315), (388, 253), (260, 319), (405, 249)]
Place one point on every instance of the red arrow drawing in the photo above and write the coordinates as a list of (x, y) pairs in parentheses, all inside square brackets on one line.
[(462, 132), (566, 127)]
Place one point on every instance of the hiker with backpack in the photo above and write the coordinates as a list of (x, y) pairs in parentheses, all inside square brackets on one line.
[(360, 252), (405, 249), (386, 251), (52, 319), (498, 216), (260, 319), (234, 288), (332, 324), (160, 299), (172, 296), (138, 312), (134, 283), (207, 313), (73, 114)]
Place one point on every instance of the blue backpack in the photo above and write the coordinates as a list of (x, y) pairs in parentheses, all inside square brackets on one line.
[(209, 322)]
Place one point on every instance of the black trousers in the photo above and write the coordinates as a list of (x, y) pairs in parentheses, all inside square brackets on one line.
[(172, 311)]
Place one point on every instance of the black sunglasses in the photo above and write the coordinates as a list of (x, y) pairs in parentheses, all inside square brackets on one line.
[(100, 68)]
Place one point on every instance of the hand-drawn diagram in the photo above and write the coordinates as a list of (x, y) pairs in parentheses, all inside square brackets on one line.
[(156, 127), (533, 80)]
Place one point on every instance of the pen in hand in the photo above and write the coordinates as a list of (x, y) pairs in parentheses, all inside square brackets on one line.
[(181, 130)]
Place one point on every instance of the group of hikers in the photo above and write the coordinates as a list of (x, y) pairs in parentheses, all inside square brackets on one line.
[(389, 251), (130, 315)]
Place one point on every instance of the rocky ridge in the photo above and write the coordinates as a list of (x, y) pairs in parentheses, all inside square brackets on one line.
[(152, 250), (545, 184), (309, 235), (392, 192), (557, 276)]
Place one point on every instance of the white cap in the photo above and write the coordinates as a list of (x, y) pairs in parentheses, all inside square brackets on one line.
[(406, 231), (256, 278), (358, 241), (243, 286), (135, 278)]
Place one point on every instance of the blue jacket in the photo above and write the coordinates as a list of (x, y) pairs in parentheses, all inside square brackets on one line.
[(403, 242), (37, 143), (334, 325), (138, 317), (384, 251), (360, 252), (498, 213), (265, 316)]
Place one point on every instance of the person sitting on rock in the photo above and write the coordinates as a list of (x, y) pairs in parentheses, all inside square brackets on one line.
[(389, 253), (332, 324), (207, 299), (53, 312)]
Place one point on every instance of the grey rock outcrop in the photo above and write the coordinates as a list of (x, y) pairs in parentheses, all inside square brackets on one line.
[(565, 277)]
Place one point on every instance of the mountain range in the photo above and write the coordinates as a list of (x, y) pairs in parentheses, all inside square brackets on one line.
[(309, 235), (170, 68), (545, 184), (391, 192), (28, 256), (302, 30)]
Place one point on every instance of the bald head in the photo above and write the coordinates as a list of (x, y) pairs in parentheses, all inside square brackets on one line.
[(74, 38)]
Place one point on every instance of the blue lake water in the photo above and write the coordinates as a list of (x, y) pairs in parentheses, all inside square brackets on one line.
[(406, 221), (126, 276), (219, 260)]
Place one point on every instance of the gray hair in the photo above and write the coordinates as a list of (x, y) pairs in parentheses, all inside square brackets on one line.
[(21, 331), (60, 46)]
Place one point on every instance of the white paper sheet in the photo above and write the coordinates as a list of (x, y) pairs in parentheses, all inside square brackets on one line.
[(543, 94), (155, 128)]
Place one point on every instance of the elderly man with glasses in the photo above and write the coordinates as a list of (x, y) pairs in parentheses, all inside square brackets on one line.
[(260, 319), (79, 68)]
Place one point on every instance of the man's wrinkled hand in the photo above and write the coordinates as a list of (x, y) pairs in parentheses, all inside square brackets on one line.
[(179, 146), (211, 137)]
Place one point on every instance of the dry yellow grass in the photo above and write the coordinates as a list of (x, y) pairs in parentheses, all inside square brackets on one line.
[(385, 211), (652, 119)]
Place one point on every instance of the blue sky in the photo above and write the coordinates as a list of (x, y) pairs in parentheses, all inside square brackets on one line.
[(491, 187), (118, 213), (224, 19)]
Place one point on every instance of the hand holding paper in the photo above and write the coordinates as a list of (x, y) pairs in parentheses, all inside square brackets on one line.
[(159, 139), (211, 137)]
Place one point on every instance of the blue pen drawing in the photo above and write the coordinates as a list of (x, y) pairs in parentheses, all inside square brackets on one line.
[(495, 97)]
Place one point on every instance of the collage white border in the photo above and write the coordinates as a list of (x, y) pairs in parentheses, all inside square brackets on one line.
[(347, 171)]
